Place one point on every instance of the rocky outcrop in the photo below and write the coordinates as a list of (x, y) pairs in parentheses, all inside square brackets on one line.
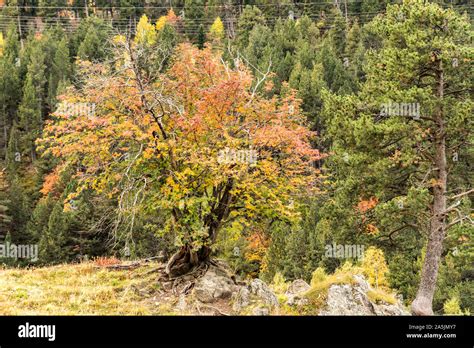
[(257, 296), (261, 290), (352, 299), (241, 299), (214, 285), (218, 287), (295, 293)]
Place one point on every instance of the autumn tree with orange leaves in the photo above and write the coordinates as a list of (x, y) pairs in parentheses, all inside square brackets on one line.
[(196, 145)]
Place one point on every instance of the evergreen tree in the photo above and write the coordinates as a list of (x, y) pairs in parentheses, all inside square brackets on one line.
[(9, 86), (53, 242), (90, 40), (201, 37), (194, 15), (250, 17), (30, 117), (61, 71), (392, 141), (5, 218)]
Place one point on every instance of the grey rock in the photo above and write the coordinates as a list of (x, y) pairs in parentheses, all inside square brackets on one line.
[(241, 299), (181, 305), (261, 311), (345, 299), (298, 286), (295, 293), (214, 285), (263, 292)]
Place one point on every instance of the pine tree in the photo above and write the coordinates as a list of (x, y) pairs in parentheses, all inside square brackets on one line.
[(30, 118), (194, 13), (53, 242), (201, 37), (5, 218), (250, 17), (9, 86), (91, 48), (90, 40), (61, 71), (393, 141)]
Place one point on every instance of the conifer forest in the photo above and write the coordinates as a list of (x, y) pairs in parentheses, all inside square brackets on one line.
[(237, 157)]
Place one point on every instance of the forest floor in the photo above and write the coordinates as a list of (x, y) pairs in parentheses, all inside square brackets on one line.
[(83, 289)]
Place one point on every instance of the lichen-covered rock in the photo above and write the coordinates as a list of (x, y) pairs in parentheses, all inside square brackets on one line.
[(241, 299), (295, 293), (214, 285), (352, 299), (261, 311), (263, 292)]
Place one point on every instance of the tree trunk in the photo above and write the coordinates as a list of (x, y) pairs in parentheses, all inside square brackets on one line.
[(423, 303), (185, 259)]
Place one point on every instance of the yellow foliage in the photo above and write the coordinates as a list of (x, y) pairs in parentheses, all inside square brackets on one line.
[(375, 268), (2, 44), (318, 276), (217, 30), (452, 307), (119, 39), (379, 295), (146, 32), (161, 22), (279, 283)]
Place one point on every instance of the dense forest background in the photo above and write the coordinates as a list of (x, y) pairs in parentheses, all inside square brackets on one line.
[(374, 189)]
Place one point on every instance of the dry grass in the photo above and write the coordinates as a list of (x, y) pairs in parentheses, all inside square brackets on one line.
[(321, 283), (381, 296), (81, 289)]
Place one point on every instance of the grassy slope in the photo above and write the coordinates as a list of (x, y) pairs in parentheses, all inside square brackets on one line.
[(80, 289)]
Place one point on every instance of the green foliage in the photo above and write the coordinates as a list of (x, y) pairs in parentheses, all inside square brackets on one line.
[(90, 41)]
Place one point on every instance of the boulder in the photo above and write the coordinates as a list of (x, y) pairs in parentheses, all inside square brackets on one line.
[(214, 285), (263, 292), (352, 299), (241, 299), (296, 291), (261, 311)]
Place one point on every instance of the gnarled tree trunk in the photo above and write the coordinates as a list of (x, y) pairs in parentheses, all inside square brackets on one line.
[(185, 259)]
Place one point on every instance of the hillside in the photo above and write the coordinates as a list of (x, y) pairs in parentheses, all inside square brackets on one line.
[(318, 147), (132, 288), (79, 289)]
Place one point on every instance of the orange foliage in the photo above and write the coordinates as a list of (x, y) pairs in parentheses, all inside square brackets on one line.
[(257, 247), (365, 205), (206, 106), (105, 261), (50, 181), (371, 229)]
